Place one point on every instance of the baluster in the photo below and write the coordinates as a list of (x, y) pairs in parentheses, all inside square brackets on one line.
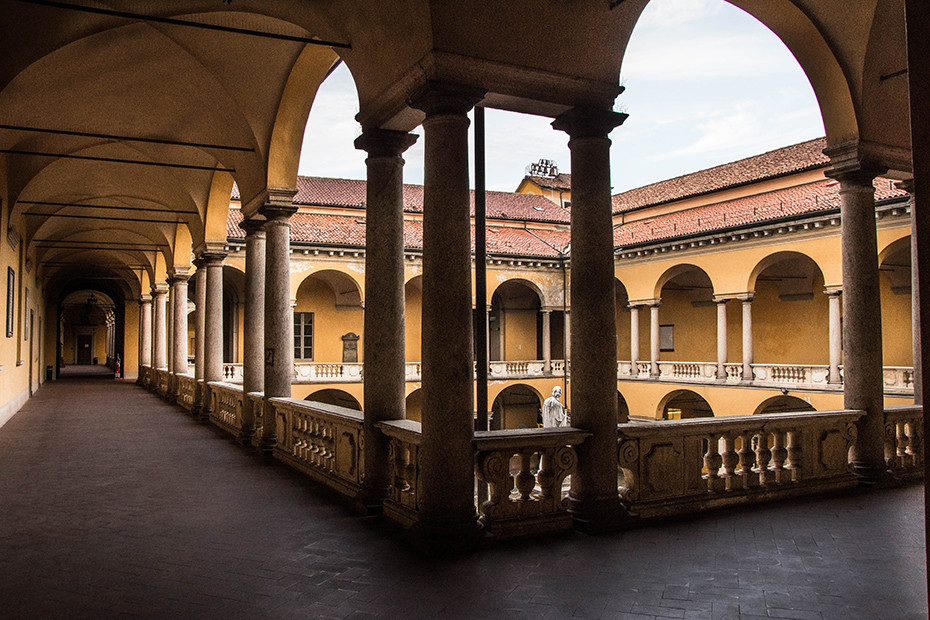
[(902, 442), (746, 459), (712, 463), (779, 455), (730, 460), (525, 480), (914, 446), (763, 457), (546, 476), (794, 455)]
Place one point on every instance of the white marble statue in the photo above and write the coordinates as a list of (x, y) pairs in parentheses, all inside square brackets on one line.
[(552, 412)]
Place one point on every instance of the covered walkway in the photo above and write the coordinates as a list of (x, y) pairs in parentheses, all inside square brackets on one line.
[(113, 503)]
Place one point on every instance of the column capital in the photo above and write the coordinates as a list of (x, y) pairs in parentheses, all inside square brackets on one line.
[(833, 291), (145, 298), (385, 142), (159, 288), (435, 97), (852, 164), (178, 273), (252, 226), (588, 122), (746, 297), (722, 299), (639, 303), (279, 203), (210, 251)]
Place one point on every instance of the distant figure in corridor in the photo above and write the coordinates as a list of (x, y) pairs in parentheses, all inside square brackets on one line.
[(552, 412)]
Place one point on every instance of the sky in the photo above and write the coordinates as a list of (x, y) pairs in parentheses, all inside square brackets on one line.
[(706, 84)]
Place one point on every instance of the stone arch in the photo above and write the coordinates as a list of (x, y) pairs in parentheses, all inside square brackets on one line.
[(413, 312), (413, 405), (516, 406), (515, 322), (894, 265), (335, 396), (782, 404), (683, 404), (328, 307), (779, 257), (682, 270), (622, 313), (347, 291)]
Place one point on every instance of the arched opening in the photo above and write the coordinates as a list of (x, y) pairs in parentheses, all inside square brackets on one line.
[(517, 406), (413, 313), (790, 313), (683, 405), (87, 329), (687, 315), (783, 404), (623, 320), (895, 287), (335, 397), (233, 314), (328, 319), (413, 405), (515, 322)]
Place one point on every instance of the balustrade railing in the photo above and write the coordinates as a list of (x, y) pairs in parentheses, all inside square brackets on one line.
[(402, 504), (187, 391), (898, 378), (322, 441), (312, 372), (525, 471), (258, 403), (232, 373), (162, 381), (669, 468), (904, 440), (227, 408)]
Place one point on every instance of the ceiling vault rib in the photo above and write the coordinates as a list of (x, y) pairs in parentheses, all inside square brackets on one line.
[(107, 136), (189, 24), (43, 203), (116, 160), (105, 217)]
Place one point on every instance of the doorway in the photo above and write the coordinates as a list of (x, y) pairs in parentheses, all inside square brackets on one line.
[(85, 348)]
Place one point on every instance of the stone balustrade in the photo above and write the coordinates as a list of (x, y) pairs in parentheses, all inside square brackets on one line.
[(344, 372), (904, 441), (258, 403), (232, 373), (227, 408), (162, 382), (525, 470), (898, 378), (322, 441), (187, 391), (402, 504), (670, 468)]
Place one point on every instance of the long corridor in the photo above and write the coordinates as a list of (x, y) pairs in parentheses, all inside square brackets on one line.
[(113, 503)]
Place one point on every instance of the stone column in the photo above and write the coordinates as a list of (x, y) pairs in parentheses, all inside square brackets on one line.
[(447, 508), (200, 301), (862, 325), (567, 328), (253, 362), (279, 316), (145, 332), (654, 348), (169, 332), (593, 498), (634, 340), (747, 337), (908, 186), (834, 297), (384, 345), (546, 340), (213, 323), (159, 326), (178, 284), (721, 338)]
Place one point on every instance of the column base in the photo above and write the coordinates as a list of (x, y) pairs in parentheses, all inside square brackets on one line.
[(599, 515), (872, 476), (447, 538)]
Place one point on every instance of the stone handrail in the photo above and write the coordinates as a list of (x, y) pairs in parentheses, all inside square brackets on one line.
[(669, 468), (322, 441), (791, 374), (402, 504), (904, 440), (898, 378), (336, 372), (187, 391), (226, 410), (525, 470)]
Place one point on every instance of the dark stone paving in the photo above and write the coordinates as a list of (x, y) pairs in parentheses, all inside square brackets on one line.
[(113, 504)]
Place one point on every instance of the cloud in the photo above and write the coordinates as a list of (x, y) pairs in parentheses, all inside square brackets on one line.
[(665, 13)]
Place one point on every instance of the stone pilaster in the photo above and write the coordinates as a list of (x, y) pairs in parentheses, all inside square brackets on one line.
[(594, 501), (384, 349), (279, 316), (447, 508)]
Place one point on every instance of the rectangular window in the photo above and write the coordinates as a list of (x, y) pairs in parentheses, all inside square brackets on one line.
[(303, 335), (666, 337), (10, 300)]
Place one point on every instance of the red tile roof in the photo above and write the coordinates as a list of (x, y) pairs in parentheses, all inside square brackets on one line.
[(790, 159), (349, 193), (349, 231), (743, 212)]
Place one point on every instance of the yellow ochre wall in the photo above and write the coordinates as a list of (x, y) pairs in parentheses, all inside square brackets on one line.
[(330, 323)]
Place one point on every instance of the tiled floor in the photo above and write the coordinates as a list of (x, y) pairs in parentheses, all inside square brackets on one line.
[(113, 503)]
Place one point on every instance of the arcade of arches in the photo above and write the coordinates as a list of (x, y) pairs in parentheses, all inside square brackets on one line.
[(115, 209)]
